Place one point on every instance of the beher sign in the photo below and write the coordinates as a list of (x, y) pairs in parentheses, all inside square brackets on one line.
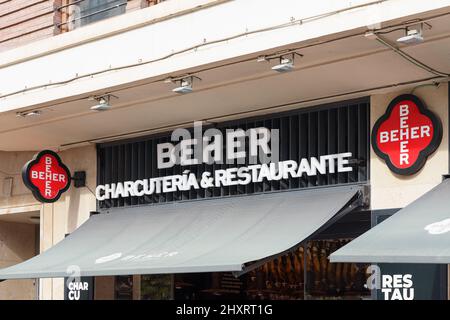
[(259, 159), (406, 135), (46, 176)]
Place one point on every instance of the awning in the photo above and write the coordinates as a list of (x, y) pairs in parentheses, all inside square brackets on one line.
[(418, 233), (195, 236)]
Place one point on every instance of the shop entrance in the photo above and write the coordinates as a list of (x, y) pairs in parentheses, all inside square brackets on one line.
[(19, 241)]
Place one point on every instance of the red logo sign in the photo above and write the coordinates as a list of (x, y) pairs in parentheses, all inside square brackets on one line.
[(406, 134), (46, 176)]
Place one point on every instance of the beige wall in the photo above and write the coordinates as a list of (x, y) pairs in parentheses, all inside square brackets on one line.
[(56, 219), (104, 288), (11, 164), (17, 244), (389, 190)]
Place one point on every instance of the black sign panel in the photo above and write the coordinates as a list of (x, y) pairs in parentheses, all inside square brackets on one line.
[(79, 289), (303, 133)]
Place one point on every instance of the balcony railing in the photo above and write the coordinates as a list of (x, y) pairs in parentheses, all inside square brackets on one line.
[(24, 21)]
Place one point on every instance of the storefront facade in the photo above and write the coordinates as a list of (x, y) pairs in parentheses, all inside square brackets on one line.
[(306, 132), (312, 127), (303, 133)]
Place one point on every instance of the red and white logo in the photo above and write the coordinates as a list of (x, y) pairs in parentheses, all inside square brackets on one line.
[(406, 134), (46, 176)]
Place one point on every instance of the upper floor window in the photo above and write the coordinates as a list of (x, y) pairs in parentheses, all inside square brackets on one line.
[(88, 11)]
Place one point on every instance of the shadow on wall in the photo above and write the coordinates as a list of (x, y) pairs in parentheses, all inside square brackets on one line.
[(73, 209), (80, 201)]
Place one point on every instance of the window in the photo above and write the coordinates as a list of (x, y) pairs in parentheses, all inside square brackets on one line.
[(123, 288), (283, 278), (88, 11), (156, 287), (143, 287)]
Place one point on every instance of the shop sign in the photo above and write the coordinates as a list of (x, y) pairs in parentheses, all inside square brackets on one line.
[(391, 286), (406, 135), (259, 161), (79, 290), (77, 287), (46, 176)]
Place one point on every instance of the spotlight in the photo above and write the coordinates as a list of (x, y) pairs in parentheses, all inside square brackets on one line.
[(285, 58), (286, 65), (103, 103), (31, 113), (262, 59), (185, 84), (413, 36)]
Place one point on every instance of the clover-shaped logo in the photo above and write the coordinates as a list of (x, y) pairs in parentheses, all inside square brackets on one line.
[(46, 176), (406, 135)]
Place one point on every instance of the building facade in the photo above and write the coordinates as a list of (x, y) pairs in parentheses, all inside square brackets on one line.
[(104, 84)]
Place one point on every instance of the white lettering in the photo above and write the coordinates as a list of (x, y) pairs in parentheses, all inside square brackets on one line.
[(404, 110), (425, 131), (166, 157), (404, 158), (235, 141), (403, 123), (343, 161), (403, 146), (384, 136), (227, 177), (186, 152), (259, 138)]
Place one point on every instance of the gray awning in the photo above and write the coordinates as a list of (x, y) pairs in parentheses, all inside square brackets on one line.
[(196, 236), (419, 233)]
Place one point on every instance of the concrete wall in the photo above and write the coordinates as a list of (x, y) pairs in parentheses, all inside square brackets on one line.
[(58, 218), (389, 190), (11, 164), (17, 244)]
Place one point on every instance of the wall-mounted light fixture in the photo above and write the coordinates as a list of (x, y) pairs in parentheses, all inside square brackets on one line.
[(413, 35), (184, 83), (103, 102), (30, 113), (286, 61)]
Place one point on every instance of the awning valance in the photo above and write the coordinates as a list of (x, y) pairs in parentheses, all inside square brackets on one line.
[(418, 233), (196, 236)]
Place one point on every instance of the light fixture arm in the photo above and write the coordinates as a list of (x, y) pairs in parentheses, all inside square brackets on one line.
[(280, 56)]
